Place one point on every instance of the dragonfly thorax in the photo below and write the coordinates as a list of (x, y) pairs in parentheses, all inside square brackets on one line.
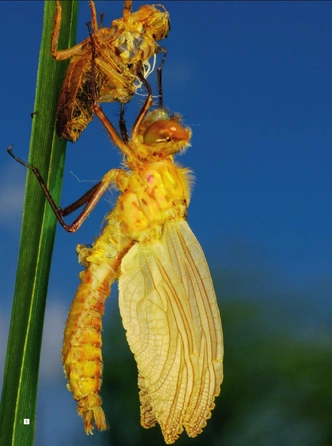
[(157, 193)]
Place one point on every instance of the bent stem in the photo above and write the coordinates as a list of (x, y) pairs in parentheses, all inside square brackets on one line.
[(19, 392)]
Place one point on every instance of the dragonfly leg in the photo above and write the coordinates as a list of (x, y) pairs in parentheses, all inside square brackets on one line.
[(122, 124), (90, 198), (159, 77)]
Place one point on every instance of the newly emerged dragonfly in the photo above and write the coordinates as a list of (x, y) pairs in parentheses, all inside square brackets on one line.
[(119, 53), (166, 296)]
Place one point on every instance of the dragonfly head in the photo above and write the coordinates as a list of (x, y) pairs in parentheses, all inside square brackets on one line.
[(164, 135)]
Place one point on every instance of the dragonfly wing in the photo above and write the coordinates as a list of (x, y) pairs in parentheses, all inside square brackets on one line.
[(169, 310)]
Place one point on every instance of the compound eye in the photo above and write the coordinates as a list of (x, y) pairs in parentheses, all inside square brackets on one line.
[(164, 131), (158, 115)]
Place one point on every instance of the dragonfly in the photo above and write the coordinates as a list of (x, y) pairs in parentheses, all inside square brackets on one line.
[(167, 300), (107, 63)]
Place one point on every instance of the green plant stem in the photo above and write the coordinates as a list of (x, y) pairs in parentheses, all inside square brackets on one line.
[(19, 393)]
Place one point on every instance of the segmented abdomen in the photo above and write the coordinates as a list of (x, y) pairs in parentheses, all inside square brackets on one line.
[(81, 353)]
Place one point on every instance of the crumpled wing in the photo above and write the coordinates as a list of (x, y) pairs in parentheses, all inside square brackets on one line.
[(169, 309)]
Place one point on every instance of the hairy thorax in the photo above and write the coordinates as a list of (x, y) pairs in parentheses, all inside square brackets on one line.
[(153, 195)]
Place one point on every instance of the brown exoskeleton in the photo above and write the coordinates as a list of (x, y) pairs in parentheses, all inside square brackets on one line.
[(107, 62)]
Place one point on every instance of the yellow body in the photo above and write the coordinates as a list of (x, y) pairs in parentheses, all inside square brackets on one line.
[(166, 296)]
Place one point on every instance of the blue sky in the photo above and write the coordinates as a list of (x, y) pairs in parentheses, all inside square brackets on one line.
[(253, 81)]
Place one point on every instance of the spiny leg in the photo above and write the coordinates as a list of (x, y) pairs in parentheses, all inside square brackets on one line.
[(95, 98), (159, 77), (69, 52), (147, 104), (120, 143), (90, 198), (122, 124), (111, 130), (93, 83), (56, 29), (101, 19), (93, 16)]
